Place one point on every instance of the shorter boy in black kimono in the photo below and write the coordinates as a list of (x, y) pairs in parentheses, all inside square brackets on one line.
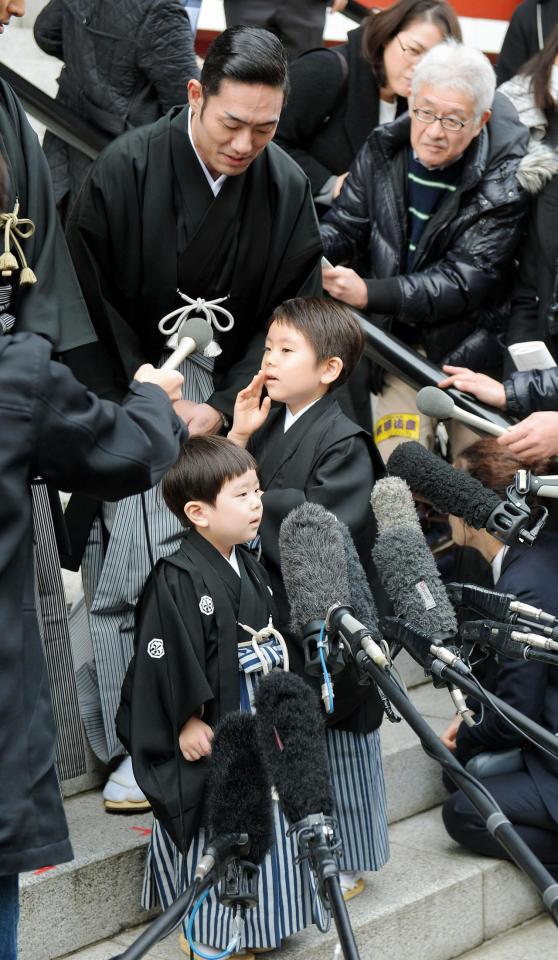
[(308, 450), (195, 662)]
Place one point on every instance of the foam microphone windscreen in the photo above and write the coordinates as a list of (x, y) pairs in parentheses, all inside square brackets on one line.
[(449, 490), (393, 504), (360, 595), (292, 739), (238, 791), (433, 402), (197, 329), (313, 563)]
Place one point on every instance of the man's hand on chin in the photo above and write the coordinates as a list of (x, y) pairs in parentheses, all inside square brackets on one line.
[(200, 418)]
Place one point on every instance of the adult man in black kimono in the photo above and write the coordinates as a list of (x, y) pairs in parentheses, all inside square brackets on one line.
[(202, 203)]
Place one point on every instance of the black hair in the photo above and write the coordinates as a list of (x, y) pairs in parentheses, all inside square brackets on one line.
[(204, 465), (246, 55), (331, 329)]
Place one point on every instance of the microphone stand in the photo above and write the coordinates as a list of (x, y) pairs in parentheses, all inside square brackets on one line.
[(527, 726), (165, 923), (497, 824), (314, 837)]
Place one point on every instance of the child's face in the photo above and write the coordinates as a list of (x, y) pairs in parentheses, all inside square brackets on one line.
[(235, 515), (292, 374)]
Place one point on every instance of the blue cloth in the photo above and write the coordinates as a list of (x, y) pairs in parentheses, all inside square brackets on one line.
[(193, 8), (9, 916)]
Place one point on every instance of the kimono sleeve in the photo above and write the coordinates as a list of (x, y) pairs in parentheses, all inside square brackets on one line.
[(167, 685)]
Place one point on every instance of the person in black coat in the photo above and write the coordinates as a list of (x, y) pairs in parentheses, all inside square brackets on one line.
[(440, 212), (54, 428), (299, 24), (339, 95), (125, 65), (529, 28), (522, 779)]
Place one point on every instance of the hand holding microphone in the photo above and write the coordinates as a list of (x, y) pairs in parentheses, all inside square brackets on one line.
[(169, 380), (484, 388), (433, 402)]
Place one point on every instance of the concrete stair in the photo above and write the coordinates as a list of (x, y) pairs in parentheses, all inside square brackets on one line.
[(432, 900)]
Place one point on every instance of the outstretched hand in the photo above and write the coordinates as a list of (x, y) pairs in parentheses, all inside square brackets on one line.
[(534, 438), (484, 388), (250, 411)]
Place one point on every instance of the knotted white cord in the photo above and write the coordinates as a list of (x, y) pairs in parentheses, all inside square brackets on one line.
[(199, 307), (260, 636)]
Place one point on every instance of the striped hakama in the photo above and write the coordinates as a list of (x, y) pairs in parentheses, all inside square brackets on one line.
[(285, 890)]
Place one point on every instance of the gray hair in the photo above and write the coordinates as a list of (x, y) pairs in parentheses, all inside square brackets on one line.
[(453, 65)]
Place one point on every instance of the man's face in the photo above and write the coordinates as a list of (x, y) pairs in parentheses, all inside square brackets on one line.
[(434, 145), (232, 127), (10, 8)]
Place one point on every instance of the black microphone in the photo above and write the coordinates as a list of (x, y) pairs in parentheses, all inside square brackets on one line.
[(501, 606), (456, 492), (510, 640), (238, 811)]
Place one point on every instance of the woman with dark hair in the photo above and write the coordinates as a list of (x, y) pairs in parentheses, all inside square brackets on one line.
[(534, 92), (339, 95), (523, 780)]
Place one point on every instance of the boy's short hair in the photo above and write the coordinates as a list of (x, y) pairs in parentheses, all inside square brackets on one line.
[(331, 329), (204, 465)]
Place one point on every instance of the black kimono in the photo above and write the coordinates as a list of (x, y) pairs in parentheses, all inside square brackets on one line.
[(147, 223), (54, 306), (184, 665), (324, 458)]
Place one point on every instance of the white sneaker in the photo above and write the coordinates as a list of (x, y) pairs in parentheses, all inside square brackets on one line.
[(122, 794), (351, 883)]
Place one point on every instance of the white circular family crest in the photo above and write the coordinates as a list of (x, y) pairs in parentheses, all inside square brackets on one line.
[(156, 648), (206, 605)]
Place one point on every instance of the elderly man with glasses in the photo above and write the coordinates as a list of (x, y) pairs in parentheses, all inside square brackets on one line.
[(437, 200)]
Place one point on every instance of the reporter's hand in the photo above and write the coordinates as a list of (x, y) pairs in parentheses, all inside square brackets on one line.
[(338, 5), (534, 438), (339, 184), (195, 739), (169, 380), (484, 388), (449, 736), (346, 285), (250, 411), (200, 418)]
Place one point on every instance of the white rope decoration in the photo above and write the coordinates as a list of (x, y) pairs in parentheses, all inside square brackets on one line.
[(260, 636), (207, 309)]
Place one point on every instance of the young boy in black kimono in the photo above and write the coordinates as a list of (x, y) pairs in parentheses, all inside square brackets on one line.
[(307, 449), (195, 662)]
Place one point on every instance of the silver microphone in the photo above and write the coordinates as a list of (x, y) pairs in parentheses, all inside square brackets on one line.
[(194, 334), (433, 402)]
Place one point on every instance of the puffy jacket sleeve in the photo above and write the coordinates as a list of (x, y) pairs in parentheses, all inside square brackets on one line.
[(166, 52), (530, 390), (48, 29), (345, 228)]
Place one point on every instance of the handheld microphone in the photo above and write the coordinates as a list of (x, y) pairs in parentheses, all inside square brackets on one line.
[(454, 491), (433, 402), (194, 334), (238, 811)]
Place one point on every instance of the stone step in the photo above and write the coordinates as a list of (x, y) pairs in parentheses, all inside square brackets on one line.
[(432, 900), (100, 888), (537, 938)]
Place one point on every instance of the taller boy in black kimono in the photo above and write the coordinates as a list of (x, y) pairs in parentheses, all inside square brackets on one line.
[(307, 449)]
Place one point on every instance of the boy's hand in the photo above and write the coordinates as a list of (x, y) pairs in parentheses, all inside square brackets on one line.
[(195, 739), (344, 284), (484, 388), (169, 380), (250, 411)]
